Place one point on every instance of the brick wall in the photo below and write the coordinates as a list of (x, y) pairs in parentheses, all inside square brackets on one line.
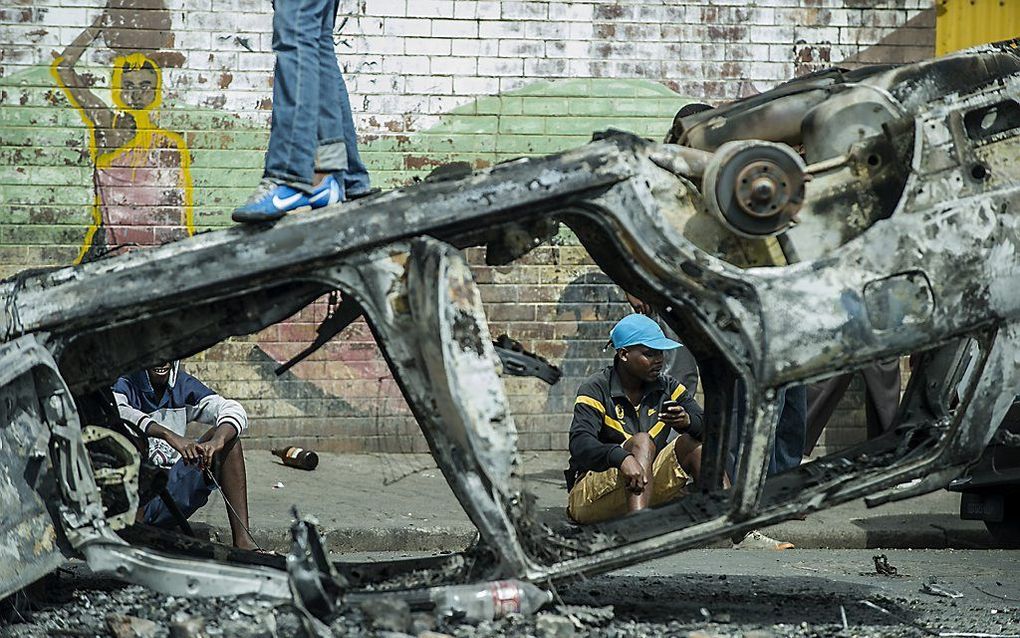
[(431, 81)]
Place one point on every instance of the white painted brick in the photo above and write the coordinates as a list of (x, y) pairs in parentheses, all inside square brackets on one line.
[(546, 30), (428, 84), (779, 52), (650, 13), (255, 61), (390, 103), (383, 45), (377, 84), (32, 35), (455, 28), (198, 5), (225, 61), (580, 68), (521, 48), (429, 46), (443, 103), (770, 35), (465, 9), (430, 8), (365, 26), (386, 7), (500, 66), (453, 66), (487, 47), (568, 49), (546, 67), (581, 31), (350, 64), (524, 10), (407, 27), (195, 41), (475, 86), (488, 10), (571, 11), (406, 64), (765, 70), (262, 42), (507, 84), (68, 16), (813, 35), (500, 29)]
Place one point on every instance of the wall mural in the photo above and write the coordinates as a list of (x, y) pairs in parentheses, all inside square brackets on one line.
[(141, 173)]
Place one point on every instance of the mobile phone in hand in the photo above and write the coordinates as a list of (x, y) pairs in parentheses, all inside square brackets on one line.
[(669, 405)]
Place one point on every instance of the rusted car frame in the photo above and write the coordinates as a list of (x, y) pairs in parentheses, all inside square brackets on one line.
[(893, 230)]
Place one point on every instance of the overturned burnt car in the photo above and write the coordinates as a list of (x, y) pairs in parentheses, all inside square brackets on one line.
[(837, 220)]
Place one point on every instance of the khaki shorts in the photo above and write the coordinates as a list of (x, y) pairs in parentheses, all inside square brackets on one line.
[(602, 496)]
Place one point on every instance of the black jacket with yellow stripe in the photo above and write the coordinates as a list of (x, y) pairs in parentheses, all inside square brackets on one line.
[(604, 419)]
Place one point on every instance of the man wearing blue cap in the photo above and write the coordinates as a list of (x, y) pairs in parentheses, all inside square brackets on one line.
[(620, 460)]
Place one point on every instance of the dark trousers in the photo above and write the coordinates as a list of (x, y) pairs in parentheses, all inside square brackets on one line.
[(881, 399), (791, 430)]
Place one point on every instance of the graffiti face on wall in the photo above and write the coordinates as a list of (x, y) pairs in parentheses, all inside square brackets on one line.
[(141, 172)]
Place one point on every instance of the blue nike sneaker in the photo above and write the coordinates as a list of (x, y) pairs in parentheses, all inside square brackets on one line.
[(327, 193), (270, 201)]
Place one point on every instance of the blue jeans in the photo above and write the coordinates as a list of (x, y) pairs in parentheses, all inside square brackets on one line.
[(187, 487), (313, 128)]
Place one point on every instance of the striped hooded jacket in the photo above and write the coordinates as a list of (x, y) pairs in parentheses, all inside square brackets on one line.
[(185, 399), (604, 419)]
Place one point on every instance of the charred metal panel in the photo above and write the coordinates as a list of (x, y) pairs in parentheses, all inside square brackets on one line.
[(28, 533)]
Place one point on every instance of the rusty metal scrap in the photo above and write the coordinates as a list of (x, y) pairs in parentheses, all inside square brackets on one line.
[(884, 201)]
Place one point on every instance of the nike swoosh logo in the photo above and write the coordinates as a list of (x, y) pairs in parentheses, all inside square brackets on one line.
[(286, 201), (324, 194)]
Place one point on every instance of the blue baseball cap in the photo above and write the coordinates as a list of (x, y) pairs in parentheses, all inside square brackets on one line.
[(638, 329)]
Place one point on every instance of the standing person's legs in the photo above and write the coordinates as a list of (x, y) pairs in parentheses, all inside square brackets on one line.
[(290, 160), (790, 431), (823, 397), (338, 141), (296, 85), (882, 398)]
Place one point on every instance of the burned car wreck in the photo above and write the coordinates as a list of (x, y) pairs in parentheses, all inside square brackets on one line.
[(837, 220)]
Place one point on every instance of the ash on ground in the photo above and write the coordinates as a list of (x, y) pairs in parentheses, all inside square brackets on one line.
[(77, 603)]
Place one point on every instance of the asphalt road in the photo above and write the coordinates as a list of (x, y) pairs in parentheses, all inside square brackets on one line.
[(698, 594), (802, 592)]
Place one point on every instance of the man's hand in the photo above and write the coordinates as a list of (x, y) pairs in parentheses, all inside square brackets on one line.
[(634, 475), (187, 448), (638, 305), (208, 449), (676, 417)]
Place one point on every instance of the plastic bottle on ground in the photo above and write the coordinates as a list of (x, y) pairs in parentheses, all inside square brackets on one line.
[(488, 601)]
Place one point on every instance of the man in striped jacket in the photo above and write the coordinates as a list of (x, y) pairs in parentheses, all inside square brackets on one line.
[(161, 401), (620, 460)]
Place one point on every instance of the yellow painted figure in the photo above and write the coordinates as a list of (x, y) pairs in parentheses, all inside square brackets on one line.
[(141, 176)]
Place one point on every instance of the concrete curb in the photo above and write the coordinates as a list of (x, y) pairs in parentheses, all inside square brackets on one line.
[(805, 535)]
